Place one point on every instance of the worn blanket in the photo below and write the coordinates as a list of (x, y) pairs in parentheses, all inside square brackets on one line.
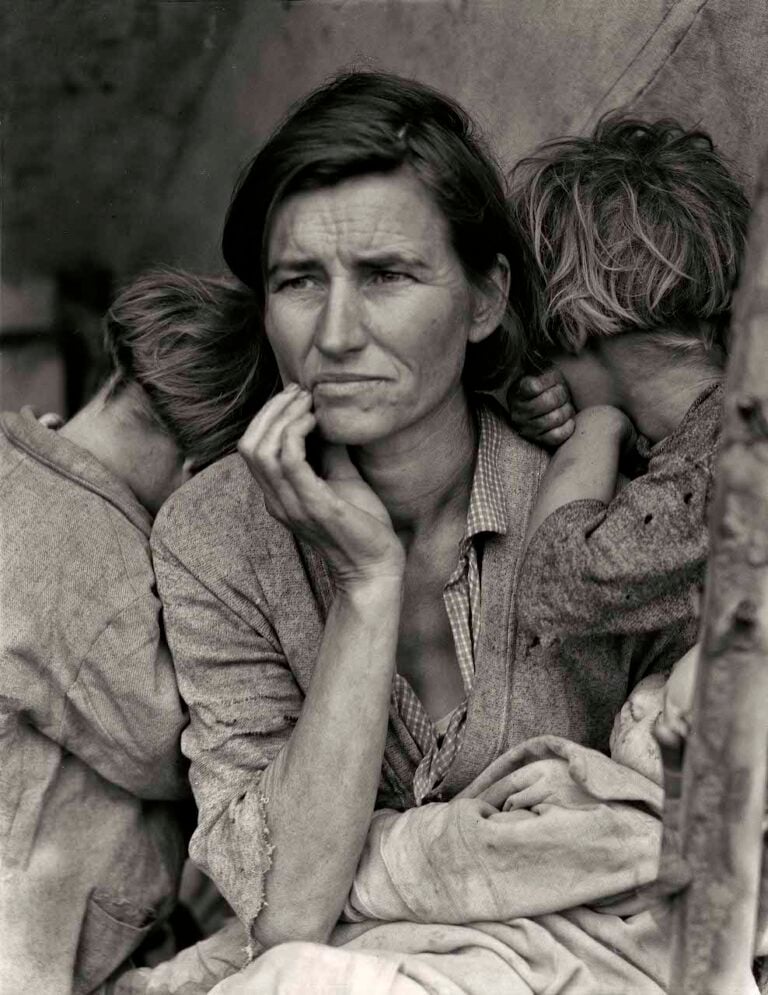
[(538, 878)]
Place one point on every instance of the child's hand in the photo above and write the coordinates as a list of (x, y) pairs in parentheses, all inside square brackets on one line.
[(540, 408)]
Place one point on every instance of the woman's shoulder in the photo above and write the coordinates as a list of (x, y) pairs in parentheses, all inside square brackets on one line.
[(219, 506), (225, 489)]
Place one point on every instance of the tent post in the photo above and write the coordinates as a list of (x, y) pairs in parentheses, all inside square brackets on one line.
[(724, 775)]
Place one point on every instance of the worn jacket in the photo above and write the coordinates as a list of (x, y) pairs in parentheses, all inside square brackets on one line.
[(91, 776), (634, 567), (245, 605)]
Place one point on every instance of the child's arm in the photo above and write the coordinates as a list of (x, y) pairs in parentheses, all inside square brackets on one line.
[(626, 565), (586, 466)]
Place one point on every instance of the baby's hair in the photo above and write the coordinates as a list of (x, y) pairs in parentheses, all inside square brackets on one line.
[(640, 227), (195, 348)]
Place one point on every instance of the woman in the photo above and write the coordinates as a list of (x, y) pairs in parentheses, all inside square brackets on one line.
[(338, 600)]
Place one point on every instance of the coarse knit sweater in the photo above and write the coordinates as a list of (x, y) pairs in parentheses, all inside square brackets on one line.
[(94, 798), (245, 604)]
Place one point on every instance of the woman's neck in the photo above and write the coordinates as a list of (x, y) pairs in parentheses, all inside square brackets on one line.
[(424, 473)]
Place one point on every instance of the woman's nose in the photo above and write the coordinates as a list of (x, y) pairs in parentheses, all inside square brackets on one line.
[(340, 325)]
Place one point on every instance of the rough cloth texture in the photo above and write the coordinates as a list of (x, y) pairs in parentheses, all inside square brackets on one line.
[(536, 880), (91, 775), (550, 855), (636, 566), (245, 607), (461, 597)]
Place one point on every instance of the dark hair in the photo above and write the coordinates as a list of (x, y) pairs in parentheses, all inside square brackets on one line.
[(194, 346), (639, 227), (369, 122)]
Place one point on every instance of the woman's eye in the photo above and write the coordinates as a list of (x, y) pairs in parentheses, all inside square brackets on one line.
[(297, 283), (389, 276)]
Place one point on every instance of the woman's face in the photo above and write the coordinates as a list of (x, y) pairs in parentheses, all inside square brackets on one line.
[(367, 305)]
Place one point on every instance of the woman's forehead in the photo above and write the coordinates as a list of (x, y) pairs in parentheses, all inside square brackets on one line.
[(363, 216)]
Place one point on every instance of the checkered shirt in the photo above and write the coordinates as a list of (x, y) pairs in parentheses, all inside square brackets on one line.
[(461, 595)]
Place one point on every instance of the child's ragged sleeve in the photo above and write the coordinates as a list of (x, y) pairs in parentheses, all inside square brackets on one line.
[(634, 566)]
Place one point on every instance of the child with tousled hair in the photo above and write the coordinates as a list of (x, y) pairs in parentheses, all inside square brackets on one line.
[(635, 236), (95, 802)]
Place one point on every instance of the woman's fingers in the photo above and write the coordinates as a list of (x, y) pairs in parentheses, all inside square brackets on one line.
[(260, 445), (268, 415), (339, 515)]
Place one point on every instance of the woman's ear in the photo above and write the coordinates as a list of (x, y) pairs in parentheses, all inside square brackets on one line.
[(490, 301)]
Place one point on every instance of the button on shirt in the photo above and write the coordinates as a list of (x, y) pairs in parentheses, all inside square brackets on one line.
[(461, 595)]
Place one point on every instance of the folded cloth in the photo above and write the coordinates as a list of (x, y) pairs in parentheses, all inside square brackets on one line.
[(548, 826), (538, 879)]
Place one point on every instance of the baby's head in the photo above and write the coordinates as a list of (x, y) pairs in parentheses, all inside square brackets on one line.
[(656, 698), (638, 228)]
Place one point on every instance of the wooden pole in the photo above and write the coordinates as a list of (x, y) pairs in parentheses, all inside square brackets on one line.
[(724, 773)]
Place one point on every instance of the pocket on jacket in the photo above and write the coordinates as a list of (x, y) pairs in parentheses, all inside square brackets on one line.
[(112, 930)]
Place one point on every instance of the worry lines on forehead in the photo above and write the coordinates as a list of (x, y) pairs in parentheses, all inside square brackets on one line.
[(363, 260)]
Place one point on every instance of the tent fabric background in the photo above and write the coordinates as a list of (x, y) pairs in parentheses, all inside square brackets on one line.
[(129, 122)]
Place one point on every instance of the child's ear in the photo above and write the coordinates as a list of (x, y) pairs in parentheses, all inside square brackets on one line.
[(188, 469), (490, 301)]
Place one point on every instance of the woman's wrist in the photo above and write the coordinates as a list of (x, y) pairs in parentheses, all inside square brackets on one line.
[(374, 586)]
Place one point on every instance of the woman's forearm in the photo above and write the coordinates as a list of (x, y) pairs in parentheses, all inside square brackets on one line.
[(321, 788)]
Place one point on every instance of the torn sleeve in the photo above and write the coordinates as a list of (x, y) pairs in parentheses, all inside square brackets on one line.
[(630, 567), (243, 703)]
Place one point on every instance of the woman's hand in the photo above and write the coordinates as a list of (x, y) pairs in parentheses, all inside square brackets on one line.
[(541, 409), (339, 515)]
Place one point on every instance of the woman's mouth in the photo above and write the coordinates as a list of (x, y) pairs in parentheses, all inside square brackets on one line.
[(344, 385)]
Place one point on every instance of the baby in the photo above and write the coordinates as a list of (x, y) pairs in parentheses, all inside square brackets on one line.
[(654, 721)]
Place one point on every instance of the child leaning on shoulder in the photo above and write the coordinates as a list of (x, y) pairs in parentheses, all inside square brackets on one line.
[(635, 237)]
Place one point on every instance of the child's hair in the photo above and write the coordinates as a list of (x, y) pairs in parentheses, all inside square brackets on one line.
[(640, 227), (195, 347)]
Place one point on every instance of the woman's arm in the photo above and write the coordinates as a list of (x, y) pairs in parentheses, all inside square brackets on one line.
[(322, 786), (305, 793), (321, 789)]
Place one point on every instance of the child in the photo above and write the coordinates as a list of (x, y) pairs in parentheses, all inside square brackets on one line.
[(94, 787), (636, 236)]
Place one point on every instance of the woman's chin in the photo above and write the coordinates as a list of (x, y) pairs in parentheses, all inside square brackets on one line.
[(351, 427)]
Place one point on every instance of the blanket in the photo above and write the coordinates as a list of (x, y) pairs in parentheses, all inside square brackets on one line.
[(538, 878)]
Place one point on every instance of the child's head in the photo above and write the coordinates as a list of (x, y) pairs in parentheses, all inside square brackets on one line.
[(189, 351), (639, 228)]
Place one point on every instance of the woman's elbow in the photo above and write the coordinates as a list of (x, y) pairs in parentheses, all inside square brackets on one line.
[(272, 927)]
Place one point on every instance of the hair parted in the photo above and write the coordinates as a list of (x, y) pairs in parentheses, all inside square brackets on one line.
[(640, 227), (194, 346), (370, 122)]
